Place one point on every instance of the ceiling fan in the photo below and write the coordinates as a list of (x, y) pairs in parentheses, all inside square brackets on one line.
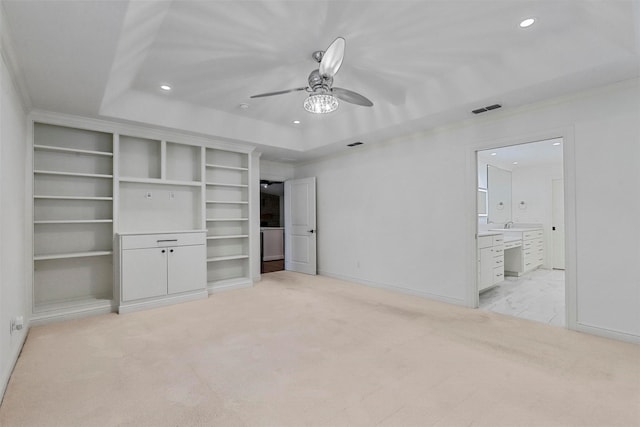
[(322, 98)]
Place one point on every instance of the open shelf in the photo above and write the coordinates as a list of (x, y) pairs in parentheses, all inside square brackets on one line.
[(233, 168), (72, 198), (73, 221), (72, 255), (83, 175), (226, 258), (157, 181), (229, 202), (74, 304), (72, 150), (220, 184), (233, 236)]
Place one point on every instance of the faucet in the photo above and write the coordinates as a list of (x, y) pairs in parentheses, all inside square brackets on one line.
[(508, 224)]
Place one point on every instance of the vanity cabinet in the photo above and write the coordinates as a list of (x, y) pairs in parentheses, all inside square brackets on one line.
[(161, 268), (527, 257), (490, 261)]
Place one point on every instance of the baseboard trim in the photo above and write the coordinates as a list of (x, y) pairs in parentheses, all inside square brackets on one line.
[(607, 333), (393, 288), (231, 286), (144, 305), (274, 258), (44, 318), (13, 359)]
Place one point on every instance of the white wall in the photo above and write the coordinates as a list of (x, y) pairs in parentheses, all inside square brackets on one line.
[(14, 280), (402, 214)]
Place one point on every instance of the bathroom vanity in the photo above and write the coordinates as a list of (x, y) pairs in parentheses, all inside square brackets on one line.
[(490, 260), (523, 250)]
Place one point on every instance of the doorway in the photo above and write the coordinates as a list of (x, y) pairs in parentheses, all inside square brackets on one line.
[(271, 226), (522, 205)]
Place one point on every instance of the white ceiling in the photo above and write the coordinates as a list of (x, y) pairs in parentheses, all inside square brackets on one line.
[(422, 63), (532, 154)]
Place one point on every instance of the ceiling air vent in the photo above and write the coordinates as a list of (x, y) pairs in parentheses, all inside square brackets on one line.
[(355, 144), (487, 108)]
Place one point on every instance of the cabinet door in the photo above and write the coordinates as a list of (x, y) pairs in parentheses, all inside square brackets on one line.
[(187, 268), (144, 273)]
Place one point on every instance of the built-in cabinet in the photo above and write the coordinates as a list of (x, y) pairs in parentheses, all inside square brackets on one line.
[(160, 268), (490, 261), (90, 186)]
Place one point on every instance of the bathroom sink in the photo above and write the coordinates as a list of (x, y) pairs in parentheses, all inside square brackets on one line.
[(512, 229)]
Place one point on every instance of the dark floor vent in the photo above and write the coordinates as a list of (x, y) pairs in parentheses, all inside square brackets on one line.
[(487, 108), (355, 144)]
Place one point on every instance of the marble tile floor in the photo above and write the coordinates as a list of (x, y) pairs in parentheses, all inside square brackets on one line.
[(538, 296)]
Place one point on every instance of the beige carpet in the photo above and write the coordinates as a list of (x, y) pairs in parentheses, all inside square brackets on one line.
[(297, 350)]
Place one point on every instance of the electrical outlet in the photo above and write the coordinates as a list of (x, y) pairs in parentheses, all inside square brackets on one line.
[(148, 195)]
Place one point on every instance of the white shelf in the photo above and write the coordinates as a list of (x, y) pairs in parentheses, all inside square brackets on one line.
[(72, 255), (227, 258), (84, 175), (233, 168), (220, 184), (73, 198), (223, 202), (226, 219), (235, 236), (74, 221), (160, 181), (72, 150)]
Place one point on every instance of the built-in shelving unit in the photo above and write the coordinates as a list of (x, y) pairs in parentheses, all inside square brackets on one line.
[(227, 218), (73, 220), (91, 184)]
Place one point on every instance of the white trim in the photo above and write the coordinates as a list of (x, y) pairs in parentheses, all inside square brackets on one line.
[(128, 307), (393, 288), (607, 333), (567, 134), (128, 129), (228, 285)]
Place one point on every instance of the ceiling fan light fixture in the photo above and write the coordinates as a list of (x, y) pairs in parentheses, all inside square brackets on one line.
[(321, 103)]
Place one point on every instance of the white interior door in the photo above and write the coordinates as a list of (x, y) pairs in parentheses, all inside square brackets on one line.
[(557, 226), (300, 225)]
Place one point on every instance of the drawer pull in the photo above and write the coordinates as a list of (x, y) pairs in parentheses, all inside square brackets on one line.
[(167, 240)]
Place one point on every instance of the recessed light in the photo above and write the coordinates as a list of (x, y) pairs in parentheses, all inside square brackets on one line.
[(515, 163), (243, 106), (165, 87), (556, 143), (494, 154), (527, 22), (296, 122)]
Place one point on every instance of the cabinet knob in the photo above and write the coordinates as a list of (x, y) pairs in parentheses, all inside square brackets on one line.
[(163, 251), (171, 250)]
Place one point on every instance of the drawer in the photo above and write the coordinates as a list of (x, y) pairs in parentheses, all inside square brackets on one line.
[(485, 242), (140, 241), (498, 274), (498, 250), (498, 240), (530, 261), (498, 261), (512, 244), (532, 234), (527, 244)]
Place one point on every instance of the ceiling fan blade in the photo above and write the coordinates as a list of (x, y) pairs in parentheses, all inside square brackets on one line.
[(352, 97), (280, 92), (332, 58)]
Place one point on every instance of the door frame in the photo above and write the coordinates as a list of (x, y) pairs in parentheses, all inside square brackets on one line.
[(568, 171)]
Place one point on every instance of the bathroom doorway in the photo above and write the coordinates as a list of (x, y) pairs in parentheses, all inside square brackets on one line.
[(271, 226), (521, 231)]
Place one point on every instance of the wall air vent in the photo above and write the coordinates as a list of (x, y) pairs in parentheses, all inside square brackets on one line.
[(487, 108), (355, 144)]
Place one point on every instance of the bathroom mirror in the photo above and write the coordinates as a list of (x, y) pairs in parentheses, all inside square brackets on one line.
[(498, 194)]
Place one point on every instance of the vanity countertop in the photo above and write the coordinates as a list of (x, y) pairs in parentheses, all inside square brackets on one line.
[(506, 230), (489, 233)]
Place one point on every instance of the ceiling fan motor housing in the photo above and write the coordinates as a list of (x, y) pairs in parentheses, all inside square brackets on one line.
[(317, 82)]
